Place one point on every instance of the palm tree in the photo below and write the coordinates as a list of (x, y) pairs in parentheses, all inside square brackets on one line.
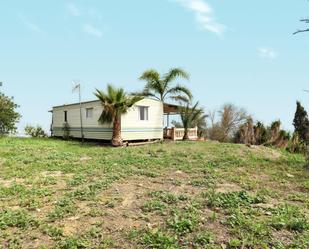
[(190, 116), (161, 88), (115, 102)]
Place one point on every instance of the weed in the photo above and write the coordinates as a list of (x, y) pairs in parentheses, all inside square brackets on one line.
[(52, 231), (73, 243), (299, 242), (250, 231), (289, 217), (204, 239), (231, 199), (183, 223), (153, 205), (76, 181), (64, 207), (168, 198), (159, 240), (16, 218), (235, 243)]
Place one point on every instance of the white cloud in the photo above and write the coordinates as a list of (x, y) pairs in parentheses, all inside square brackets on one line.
[(91, 30), (73, 10), (204, 15), (31, 25), (267, 53)]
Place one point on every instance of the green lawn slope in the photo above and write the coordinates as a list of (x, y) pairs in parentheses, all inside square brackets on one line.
[(60, 194)]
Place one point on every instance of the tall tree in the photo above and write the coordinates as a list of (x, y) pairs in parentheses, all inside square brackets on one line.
[(274, 132), (161, 88), (191, 115), (245, 133), (115, 102), (260, 133), (301, 122), (8, 115)]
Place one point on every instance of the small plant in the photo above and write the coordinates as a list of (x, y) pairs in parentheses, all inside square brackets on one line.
[(64, 208), (77, 180), (183, 224), (204, 239), (289, 217), (153, 205), (52, 231), (96, 212), (253, 233), (159, 240), (231, 199), (36, 132), (235, 243), (166, 197), (16, 218), (73, 242), (300, 242)]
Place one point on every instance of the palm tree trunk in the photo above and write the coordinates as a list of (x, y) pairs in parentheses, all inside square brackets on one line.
[(186, 135), (116, 139)]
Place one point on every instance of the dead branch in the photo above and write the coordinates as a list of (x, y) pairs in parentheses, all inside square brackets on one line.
[(302, 30)]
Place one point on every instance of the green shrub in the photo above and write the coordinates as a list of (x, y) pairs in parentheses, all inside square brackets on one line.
[(35, 131)]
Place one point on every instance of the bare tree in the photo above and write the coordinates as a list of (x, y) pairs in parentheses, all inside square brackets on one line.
[(302, 30), (230, 118), (212, 117)]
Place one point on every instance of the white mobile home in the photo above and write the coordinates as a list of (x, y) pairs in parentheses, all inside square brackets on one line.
[(144, 121)]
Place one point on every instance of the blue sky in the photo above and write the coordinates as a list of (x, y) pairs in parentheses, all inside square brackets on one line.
[(240, 52)]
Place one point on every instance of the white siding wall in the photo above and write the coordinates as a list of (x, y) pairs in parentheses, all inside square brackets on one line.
[(132, 127), (92, 128)]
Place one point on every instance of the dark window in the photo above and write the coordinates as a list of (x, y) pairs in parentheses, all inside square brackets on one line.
[(143, 112), (65, 116), (89, 112)]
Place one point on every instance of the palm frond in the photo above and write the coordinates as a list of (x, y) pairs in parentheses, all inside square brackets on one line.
[(190, 115), (106, 116), (180, 98), (179, 89), (115, 102), (160, 86), (175, 73), (145, 93), (150, 76), (133, 100)]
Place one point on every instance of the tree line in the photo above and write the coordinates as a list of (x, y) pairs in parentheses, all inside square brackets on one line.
[(235, 125)]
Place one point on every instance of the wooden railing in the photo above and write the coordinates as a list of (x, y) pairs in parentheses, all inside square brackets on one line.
[(178, 133)]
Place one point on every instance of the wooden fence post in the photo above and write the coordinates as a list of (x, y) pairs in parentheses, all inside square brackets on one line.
[(173, 135)]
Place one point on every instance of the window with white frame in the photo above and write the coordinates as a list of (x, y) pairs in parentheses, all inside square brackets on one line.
[(143, 113), (89, 112)]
